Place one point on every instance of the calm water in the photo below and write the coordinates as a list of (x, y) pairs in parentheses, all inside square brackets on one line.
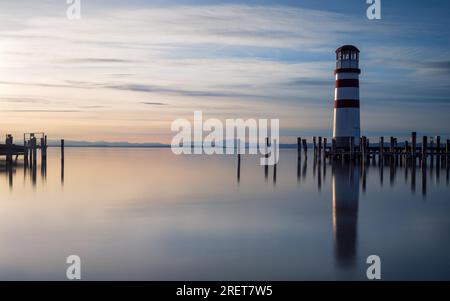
[(150, 215)]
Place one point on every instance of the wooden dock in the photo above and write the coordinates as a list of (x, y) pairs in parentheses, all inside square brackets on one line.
[(408, 151), (32, 143)]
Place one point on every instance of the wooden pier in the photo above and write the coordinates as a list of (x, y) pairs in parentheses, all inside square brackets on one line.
[(32, 143), (409, 151)]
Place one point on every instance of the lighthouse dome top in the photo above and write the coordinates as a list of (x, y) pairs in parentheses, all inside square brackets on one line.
[(347, 48)]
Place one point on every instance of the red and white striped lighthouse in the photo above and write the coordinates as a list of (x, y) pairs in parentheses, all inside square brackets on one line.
[(346, 97)]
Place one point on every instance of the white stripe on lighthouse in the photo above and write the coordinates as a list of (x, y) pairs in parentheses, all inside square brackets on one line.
[(347, 75), (346, 93)]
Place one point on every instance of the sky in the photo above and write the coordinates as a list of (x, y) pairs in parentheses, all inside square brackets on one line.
[(127, 69)]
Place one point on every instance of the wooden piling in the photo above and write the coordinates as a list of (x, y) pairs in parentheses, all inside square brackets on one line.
[(361, 145), (431, 146), (424, 147), (25, 153), (333, 146), (305, 146), (314, 145), (43, 150), (392, 145), (33, 151), (30, 150), (381, 147), (404, 156), (320, 144), (239, 157), (447, 147), (363, 148), (351, 146), (275, 161), (413, 143), (9, 143), (438, 145), (299, 147), (62, 150)]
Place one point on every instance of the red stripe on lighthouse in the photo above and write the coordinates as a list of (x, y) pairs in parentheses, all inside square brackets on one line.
[(347, 83), (347, 70), (346, 103)]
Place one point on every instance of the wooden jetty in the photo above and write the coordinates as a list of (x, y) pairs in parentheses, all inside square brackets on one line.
[(32, 142), (406, 152)]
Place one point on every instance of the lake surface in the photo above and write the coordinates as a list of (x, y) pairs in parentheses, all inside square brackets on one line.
[(146, 214)]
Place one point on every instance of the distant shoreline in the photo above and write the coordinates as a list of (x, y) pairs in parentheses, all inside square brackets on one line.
[(283, 146)]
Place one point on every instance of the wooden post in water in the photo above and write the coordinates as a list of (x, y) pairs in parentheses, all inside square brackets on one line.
[(319, 154), (351, 146), (299, 147), (333, 146), (363, 148), (34, 150), (62, 151), (30, 149), (447, 147), (314, 145), (43, 149), (239, 159), (431, 146), (404, 156), (438, 145), (305, 146), (381, 151), (275, 161), (266, 160), (324, 148), (25, 153), (413, 144), (391, 145), (9, 143), (424, 148)]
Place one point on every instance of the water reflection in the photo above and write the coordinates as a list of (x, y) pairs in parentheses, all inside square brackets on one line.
[(432, 168), (29, 168), (310, 219), (345, 189)]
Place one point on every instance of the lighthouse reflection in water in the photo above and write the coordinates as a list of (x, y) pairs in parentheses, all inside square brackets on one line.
[(345, 185)]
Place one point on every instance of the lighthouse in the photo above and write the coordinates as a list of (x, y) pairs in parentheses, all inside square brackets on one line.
[(346, 121)]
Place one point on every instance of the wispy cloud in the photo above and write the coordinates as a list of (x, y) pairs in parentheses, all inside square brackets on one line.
[(150, 103), (169, 90)]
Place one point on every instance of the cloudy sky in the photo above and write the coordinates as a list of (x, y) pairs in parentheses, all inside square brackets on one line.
[(127, 69)]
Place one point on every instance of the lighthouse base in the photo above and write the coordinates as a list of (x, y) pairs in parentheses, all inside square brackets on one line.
[(344, 143)]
